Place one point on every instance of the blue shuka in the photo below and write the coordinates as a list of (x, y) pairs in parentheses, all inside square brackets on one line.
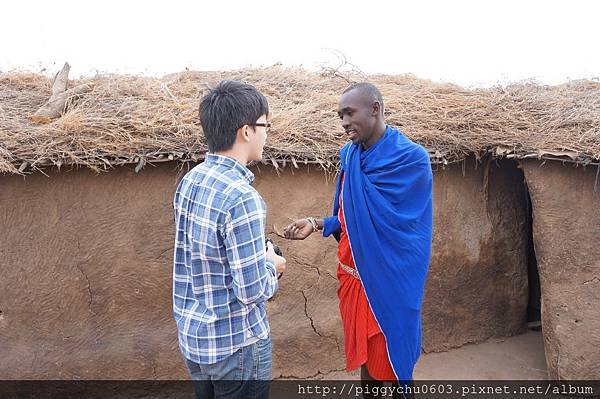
[(387, 199)]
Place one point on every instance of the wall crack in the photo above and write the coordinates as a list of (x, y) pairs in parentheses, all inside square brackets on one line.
[(89, 286), (319, 373), (312, 323)]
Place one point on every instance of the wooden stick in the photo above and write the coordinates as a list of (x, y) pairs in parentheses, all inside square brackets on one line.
[(55, 106)]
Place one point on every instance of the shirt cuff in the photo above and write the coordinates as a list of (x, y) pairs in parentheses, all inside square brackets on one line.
[(271, 267), (273, 271)]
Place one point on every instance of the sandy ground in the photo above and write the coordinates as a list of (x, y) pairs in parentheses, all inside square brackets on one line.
[(516, 358), (520, 357)]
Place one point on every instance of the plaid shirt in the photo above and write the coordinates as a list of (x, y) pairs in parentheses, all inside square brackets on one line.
[(221, 278)]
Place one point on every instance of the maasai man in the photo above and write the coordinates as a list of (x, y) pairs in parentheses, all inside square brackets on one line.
[(382, 219)]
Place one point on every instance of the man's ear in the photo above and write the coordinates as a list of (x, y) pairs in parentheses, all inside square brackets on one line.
[(243, 134), (376, 108)]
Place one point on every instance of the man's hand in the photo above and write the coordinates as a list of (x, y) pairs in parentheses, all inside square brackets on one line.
[(298, 230), (279, 261)]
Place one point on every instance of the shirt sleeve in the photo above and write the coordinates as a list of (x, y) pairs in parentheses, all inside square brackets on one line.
[(331, 225), (254, 277)]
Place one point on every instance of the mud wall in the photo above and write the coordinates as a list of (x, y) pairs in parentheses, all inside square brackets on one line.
[(85, 271), (84, 280), (566, 233), (477, 282)]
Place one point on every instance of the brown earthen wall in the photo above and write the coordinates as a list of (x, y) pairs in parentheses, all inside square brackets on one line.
[(85, 271), (566, 234), (477, 284)]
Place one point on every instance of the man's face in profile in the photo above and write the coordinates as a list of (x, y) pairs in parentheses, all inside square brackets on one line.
[(356, 111)]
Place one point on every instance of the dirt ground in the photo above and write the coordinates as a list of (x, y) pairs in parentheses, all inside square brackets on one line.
[(520, 357), (515, 358)]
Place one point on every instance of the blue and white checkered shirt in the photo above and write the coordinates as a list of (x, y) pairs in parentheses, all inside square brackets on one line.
[(221, 277)]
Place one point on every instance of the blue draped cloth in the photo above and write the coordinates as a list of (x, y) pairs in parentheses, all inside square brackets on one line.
[(387, 197)]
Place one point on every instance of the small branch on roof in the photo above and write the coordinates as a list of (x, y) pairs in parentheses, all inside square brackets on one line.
[(54, 107), (274, 163), (140, 164), (344, 70)]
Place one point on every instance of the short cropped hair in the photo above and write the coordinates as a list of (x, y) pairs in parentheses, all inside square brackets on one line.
[(227, 107), (369, 90)]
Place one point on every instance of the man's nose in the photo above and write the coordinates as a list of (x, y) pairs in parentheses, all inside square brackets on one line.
[(345, 122)]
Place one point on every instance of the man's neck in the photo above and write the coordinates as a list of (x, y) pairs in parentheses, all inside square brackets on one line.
[(235, 155), (377, 135)]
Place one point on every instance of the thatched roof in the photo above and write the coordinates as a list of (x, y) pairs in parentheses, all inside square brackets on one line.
[(111, 120)]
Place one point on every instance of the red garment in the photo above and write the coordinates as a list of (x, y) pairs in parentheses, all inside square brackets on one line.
[(363, 339)]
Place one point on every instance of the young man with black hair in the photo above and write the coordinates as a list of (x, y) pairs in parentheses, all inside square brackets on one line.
[(224, 272)]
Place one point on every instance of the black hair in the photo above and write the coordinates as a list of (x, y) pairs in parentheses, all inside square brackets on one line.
[(368, 89), (227, 107)]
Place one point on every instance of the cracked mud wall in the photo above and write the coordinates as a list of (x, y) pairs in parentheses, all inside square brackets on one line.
[(566, 234), (308, 341), (85, 272), (84, 276)]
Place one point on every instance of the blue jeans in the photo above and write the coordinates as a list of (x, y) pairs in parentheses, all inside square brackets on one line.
[(246, 374)]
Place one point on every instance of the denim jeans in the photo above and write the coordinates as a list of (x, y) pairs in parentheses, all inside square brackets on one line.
[(246, 374)]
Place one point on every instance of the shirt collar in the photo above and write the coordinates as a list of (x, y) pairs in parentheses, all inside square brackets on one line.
[(230, 163)]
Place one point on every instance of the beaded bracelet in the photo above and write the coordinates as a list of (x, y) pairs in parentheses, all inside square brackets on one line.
[(313, 223)]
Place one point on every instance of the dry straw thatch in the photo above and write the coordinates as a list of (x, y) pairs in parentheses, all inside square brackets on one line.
[(111, 120)]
